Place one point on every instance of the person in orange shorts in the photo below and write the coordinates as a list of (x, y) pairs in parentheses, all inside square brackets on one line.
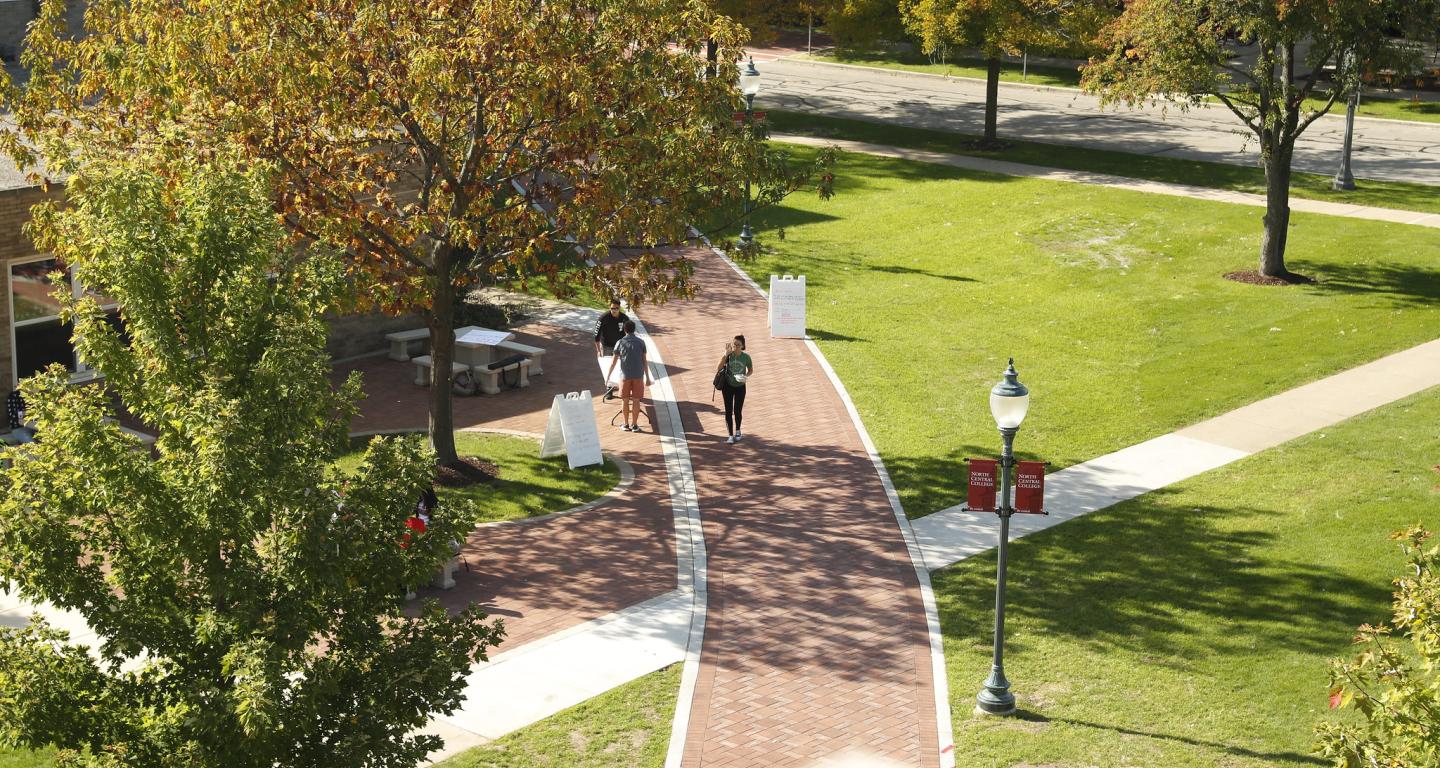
[(630, 355)]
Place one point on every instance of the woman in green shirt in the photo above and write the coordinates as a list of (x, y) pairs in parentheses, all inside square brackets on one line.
[(737, 367)]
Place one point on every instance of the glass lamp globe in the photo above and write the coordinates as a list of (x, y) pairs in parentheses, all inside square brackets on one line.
[(750, 79), (1009, 400)]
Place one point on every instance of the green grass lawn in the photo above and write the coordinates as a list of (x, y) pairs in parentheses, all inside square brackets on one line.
[(923, 279), (1240, 178), (527, 486), (1190, 626), (1010, 72), (1375, 103), (24, 758), (627, 727)]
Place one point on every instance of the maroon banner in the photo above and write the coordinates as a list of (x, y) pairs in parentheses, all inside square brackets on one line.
[(760, 116), (1030, 487), (982, 486)]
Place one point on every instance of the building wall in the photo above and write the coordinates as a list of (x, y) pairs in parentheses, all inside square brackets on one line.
[(350, 335), (15, 207), (15, 15)]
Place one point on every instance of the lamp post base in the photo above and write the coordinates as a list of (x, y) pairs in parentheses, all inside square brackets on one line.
[(995, 698), (746, 236)]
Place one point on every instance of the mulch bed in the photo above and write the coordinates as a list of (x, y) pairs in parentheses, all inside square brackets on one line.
[(1253, 277), (470, 471)]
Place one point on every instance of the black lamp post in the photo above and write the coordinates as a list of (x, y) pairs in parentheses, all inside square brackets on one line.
[(1009, 401), (749, 86)]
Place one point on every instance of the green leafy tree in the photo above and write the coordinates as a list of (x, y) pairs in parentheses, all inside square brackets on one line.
[(1396, 689), (1260, 58), (435, 142), (247, 597), (1000, 27), (859, 23)]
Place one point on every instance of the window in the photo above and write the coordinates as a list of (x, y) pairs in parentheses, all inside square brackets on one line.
[(38, 338)]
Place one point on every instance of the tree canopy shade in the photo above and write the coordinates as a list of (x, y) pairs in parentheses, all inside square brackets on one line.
[(1395, 688), (247, 597), (999, 27), (1262, 59), (435, 141)]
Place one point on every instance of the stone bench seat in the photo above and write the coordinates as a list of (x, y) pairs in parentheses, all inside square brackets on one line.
[(534, 353), (488, 377), (422, 369), (400, 342)]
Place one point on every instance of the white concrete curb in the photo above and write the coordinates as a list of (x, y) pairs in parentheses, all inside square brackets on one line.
[(690, 563)]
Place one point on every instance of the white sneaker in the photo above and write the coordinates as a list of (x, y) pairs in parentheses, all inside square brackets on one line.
[(731, 439), (738, 435)]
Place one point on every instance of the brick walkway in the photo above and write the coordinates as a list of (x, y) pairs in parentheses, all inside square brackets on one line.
[(550, 575), (816, 642)]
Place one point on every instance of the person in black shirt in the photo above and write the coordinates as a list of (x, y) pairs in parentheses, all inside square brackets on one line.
[(609, 329)]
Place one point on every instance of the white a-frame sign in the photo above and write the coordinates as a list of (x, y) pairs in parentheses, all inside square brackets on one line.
[(571, 430), (787, 306)]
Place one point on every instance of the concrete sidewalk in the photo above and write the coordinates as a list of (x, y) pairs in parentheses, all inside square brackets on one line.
[(1007, 168), (952, 535)]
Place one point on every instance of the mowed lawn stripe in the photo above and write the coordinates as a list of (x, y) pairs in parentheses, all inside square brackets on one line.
[(924, 279)]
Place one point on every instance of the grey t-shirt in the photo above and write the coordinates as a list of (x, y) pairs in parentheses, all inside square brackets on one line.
[(631, 351)]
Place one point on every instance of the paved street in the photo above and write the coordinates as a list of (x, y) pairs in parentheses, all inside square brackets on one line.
[(1393, 150)]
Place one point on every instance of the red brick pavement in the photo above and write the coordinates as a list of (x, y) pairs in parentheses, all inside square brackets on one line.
[(815, 643), (546, 576)]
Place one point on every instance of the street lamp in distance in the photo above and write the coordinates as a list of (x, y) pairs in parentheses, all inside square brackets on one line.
[(749, 86)]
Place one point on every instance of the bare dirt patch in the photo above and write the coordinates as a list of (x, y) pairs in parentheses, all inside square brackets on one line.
[(471, 470), (1253, 277)]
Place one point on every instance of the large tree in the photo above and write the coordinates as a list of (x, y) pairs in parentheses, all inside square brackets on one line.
[(1262, 59), (1001, 27), (246, 595), (434, 140)]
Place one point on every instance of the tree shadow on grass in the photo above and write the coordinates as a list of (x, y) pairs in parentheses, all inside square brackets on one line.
[(1144, 575), (1289, 757), (1402, 284), (897, 270), (819, 335)]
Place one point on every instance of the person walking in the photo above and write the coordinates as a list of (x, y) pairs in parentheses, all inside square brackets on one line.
[(609, 329), (630, 354), (737, 367)]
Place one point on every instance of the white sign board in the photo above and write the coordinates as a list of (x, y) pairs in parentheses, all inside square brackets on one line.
[(571, 430), (612, 378), (483, 337), (787, 306)]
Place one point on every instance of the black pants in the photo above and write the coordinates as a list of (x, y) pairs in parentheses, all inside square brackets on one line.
[(734, 405)]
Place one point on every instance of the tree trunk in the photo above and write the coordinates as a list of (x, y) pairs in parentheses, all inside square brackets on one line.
[(1277, 212), (442, 353), (712, 54), (992, 99)]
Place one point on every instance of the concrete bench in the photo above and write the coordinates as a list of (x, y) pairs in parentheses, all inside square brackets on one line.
[(534, 353), (400, 342), (422, 370), (489, 378)]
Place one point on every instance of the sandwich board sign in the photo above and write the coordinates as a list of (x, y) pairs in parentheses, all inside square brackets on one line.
[(571, 430), (787, 306)]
